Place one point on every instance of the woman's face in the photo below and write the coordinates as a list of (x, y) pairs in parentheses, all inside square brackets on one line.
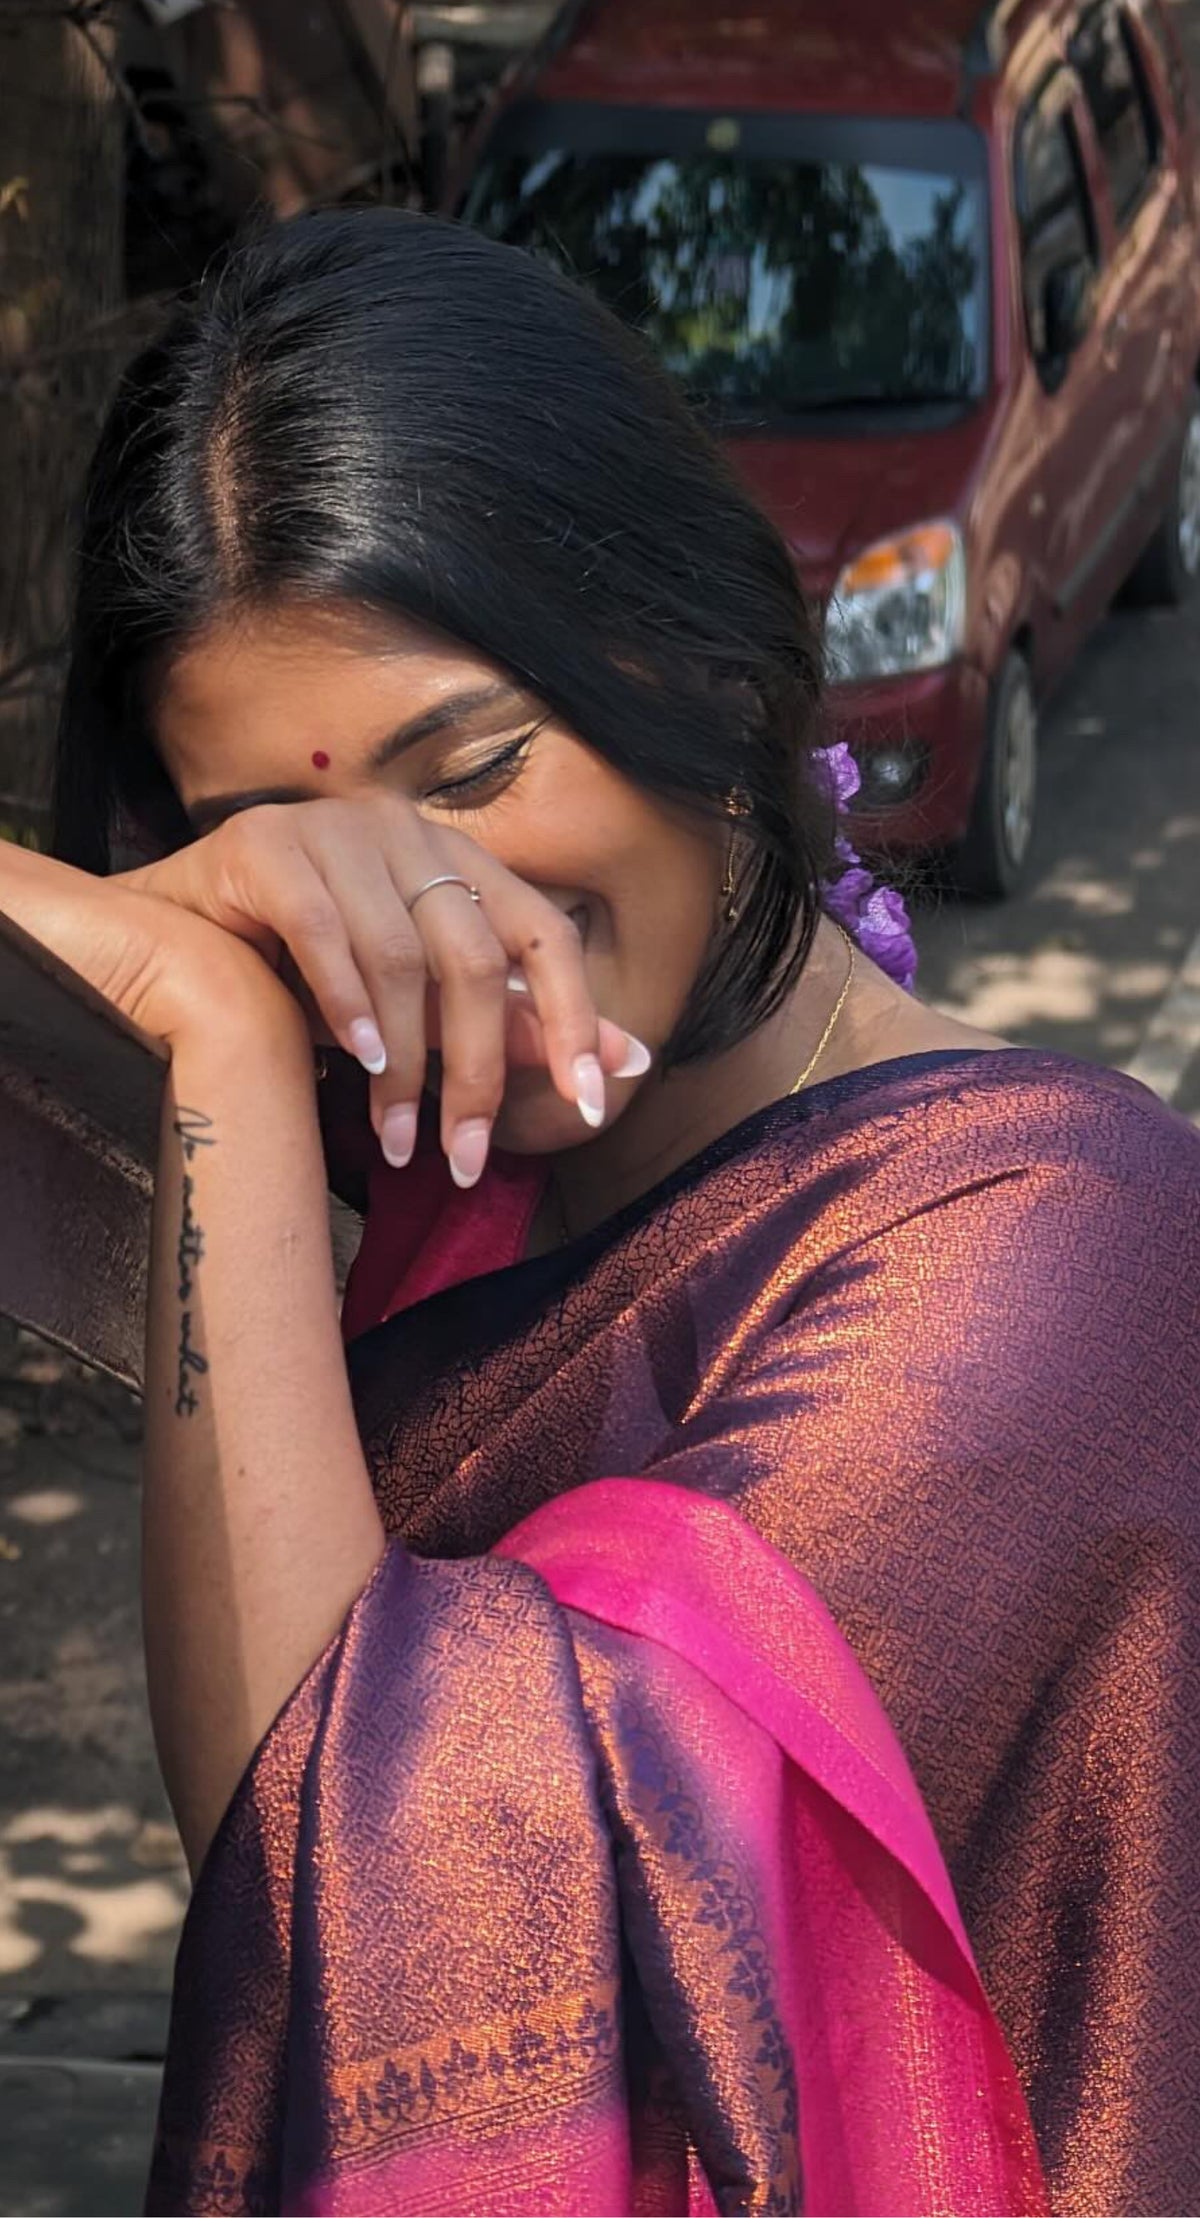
[(299, 704)]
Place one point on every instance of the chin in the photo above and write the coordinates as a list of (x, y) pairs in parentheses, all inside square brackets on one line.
[(535, 1120)]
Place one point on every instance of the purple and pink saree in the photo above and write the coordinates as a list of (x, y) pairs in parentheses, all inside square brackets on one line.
[(585, 1871)]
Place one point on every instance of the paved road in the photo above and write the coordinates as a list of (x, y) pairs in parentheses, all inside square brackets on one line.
[(1085, 958)]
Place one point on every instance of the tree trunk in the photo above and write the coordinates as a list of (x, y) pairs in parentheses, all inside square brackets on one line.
[(61, 191)]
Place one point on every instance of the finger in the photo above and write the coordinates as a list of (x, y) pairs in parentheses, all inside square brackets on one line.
[(390, 956), (470, 969), (621, 1056), (309, 921), (547, 947), (547, 952)]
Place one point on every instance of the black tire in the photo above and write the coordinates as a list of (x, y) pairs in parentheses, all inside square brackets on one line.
[(991, 860), (1168, 571)]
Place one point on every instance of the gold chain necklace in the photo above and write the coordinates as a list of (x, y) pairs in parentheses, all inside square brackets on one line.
[(831, 1027), (564, 1230)]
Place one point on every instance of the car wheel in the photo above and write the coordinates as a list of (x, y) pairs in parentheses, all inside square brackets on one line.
[(989, 864), (1169, 571)]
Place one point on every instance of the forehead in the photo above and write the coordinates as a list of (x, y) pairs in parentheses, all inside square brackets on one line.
[(258, 694)]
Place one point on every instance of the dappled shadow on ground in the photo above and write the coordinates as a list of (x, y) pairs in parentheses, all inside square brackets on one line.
[(96, 1889), (92, 1879), (1081, 960)]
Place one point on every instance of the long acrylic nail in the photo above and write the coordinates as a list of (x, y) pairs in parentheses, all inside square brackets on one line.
[(589, 1089), (469, 1150), (637, 1059), (364, 1038), (398, 1133)]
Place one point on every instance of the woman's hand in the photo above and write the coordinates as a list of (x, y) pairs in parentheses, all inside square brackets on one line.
[(171, 975), (333, 886)]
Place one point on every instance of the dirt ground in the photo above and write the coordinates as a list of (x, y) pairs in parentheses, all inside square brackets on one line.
[(91, 1875)]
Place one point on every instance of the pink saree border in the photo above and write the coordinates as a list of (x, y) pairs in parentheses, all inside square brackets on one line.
[(685, 1571)]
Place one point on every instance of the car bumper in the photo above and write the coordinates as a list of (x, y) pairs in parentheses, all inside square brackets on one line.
[(935, 724)]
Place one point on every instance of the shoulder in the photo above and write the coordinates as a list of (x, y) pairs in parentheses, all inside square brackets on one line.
[(1014, 1154), (958, 1255), (1017, 1109), (1014, 1228), (1114, 1145)]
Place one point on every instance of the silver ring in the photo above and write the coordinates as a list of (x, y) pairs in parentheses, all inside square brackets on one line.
[(447, 879)]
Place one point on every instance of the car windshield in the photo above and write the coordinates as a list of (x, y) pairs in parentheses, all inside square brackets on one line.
[(774, 279)]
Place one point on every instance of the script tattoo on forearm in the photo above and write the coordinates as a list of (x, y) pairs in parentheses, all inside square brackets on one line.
[(194, 1130)]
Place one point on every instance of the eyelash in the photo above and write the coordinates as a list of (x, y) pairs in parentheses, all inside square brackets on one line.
[(508, 758)]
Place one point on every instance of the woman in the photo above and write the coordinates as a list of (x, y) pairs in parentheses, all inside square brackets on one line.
[(553, 1851)]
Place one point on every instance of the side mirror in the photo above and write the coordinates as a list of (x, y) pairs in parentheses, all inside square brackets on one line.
[(1067, 300)]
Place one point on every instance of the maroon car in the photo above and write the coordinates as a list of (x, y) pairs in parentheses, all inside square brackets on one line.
[(933, 275)]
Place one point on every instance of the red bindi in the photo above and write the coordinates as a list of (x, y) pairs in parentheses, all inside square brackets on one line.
[(320, 759)]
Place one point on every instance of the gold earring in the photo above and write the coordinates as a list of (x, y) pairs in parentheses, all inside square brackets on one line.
[(729, 913), (736, 805)]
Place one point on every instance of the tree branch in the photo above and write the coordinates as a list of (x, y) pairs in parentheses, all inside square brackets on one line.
[(83, 21), (110, 333), (45, 657)]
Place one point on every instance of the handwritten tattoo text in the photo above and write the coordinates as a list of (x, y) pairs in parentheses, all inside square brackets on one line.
[(194, 1131)]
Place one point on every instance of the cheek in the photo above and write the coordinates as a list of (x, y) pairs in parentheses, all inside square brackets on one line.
[(659, 909), (650, 877), (597, 832), (660, 886), (661, 920)]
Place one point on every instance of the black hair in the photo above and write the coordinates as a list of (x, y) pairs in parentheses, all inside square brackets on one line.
[(389, 411)]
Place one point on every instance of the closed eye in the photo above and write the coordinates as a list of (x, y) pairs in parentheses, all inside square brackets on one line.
[(497, 770)]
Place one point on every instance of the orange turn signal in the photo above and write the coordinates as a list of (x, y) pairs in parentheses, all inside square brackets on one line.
[(893, 561)]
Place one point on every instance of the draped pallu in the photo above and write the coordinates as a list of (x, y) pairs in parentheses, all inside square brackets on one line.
[(825, 1520)]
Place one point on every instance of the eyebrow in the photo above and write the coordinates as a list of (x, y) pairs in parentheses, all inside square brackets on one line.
[(442, 716)]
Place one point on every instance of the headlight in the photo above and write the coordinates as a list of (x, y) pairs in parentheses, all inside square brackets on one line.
[(898, 606)]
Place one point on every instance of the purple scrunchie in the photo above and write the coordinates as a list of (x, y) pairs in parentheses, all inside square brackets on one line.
[(875, 916)]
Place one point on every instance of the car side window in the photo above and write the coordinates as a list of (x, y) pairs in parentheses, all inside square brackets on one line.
[(1054, 211), (1174, 66), (1127, 126)]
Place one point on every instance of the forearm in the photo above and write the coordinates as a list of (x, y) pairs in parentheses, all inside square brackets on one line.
[(259, 1523)]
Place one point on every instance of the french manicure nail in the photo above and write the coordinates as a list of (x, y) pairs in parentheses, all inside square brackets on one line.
[(364, 1038), (468, 1150), (637, 1059), (517, 982), (589, 1089), (398, 1134)]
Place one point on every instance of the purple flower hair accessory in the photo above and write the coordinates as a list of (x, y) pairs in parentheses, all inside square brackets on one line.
[(841, 773), (884, 935), (875, 916)]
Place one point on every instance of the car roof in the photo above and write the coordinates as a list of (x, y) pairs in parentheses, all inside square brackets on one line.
[(842, 56)]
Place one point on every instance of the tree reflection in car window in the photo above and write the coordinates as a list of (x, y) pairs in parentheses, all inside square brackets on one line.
[(765, 284)]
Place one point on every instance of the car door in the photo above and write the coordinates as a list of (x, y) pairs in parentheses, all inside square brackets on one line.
[(1073, 492), (1139, 313)]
